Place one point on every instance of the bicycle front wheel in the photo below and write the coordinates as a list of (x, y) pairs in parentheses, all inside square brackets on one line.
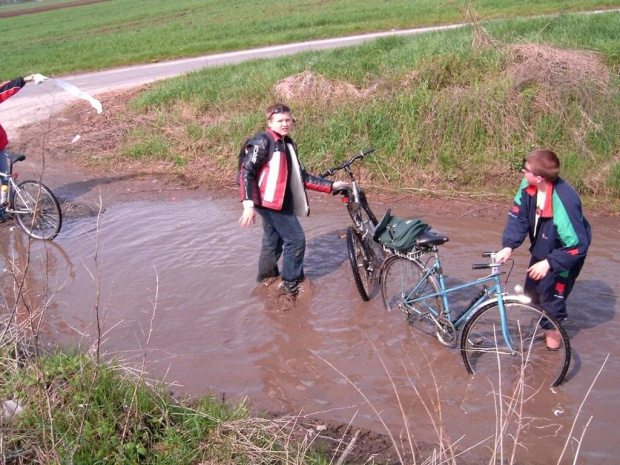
[(361, 257), (485, 351), (37, 210), (402, 281)]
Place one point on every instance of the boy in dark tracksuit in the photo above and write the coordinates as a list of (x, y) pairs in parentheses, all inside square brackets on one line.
[(548, 210)]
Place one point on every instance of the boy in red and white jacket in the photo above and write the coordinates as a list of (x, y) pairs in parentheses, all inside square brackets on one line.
[(273, 184)]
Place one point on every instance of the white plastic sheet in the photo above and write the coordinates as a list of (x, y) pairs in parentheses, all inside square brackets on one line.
[(73, 90)]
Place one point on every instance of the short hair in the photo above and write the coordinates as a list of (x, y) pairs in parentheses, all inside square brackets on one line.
[(544, 163), (276, 108)]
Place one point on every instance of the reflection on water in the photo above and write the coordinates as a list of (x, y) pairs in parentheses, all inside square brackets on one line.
[(183, 273)]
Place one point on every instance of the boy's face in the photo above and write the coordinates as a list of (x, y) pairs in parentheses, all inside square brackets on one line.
[(280, 123), (532, 178)]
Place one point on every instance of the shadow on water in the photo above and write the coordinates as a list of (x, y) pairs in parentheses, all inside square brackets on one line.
[(325, 254), (73, 190), (581, 315)]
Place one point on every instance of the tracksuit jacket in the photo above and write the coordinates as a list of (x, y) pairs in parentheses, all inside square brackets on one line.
[(265, 171), (562, 236), (8, 89)]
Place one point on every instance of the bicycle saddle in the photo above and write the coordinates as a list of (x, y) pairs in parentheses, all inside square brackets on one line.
[(431, 238)]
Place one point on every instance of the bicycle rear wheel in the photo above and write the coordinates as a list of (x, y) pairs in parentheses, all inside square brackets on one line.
[(361, 257), (402, 280), (485, 352), (37, 210)]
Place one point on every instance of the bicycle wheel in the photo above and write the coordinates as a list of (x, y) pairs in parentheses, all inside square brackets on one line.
[(402, 280), (361, 214), (37, 210), (361, 257), (485, 352)]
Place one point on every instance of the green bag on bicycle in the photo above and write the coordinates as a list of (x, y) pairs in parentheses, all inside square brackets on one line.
[(399, 234)]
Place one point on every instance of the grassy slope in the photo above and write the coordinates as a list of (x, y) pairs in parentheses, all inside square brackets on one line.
[(446, 118)]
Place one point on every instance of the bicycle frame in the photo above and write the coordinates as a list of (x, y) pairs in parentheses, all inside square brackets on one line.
[(489, 295)]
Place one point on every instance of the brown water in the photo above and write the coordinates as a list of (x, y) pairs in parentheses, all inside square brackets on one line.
[(176, 281)]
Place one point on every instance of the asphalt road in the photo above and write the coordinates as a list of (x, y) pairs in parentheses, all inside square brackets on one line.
[(38, 102)]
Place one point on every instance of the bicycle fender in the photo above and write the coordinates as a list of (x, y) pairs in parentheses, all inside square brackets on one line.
[(513, 298)]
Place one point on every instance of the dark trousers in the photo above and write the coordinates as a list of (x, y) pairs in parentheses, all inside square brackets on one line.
[(552, 291), (282, 237)]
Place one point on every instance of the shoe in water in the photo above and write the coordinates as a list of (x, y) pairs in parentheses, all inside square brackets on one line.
[(289, 287)]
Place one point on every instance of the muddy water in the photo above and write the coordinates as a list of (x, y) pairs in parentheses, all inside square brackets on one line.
[(174, 282)]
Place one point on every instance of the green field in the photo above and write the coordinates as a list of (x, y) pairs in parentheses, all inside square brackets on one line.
[(122, 32)]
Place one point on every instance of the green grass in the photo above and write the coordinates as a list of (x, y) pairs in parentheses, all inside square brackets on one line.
[(76, 411), (123, 32), (444, 116)]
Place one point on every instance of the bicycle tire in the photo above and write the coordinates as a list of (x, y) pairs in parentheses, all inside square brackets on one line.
[(399, 276), (37, 210), (361, 214), (484, 350), (359, 264)]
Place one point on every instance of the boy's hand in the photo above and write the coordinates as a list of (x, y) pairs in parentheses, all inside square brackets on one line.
[(539, 270), (248, 217), (503, 255), (338, 184)]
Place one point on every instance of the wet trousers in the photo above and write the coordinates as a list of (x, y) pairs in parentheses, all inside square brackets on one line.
[(283, 237), (552, 291)]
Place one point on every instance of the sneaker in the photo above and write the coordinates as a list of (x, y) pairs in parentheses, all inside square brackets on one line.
[(289, 287)]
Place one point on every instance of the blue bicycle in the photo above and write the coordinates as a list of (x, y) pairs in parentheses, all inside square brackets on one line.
[(502, 335)]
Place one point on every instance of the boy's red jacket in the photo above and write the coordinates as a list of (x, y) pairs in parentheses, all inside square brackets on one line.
[(8, 89)]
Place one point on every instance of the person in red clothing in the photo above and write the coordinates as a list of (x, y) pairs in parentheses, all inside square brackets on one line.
[(273, 185), (7, 90)]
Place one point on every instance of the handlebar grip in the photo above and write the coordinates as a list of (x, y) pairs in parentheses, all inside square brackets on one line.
[(327, 173), (368, 151), (480, 266)]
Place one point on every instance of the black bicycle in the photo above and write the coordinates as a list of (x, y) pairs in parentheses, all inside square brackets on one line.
[(33, 205), (363, 254)]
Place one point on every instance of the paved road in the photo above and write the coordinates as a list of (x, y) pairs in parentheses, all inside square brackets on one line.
[(39, 102)]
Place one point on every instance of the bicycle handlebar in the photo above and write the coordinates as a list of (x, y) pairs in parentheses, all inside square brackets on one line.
[(359, 156), (484, 266)]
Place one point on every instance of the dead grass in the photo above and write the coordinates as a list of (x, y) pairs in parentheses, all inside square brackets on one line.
[(556, 67), (313, 87)]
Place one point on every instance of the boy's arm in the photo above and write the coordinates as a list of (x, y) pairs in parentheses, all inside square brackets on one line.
[(316, 183), (10, 88), (573, 233), (518, 223), (255, 158)]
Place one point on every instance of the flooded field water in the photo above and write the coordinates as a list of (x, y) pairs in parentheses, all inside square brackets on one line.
[(174, 281)]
